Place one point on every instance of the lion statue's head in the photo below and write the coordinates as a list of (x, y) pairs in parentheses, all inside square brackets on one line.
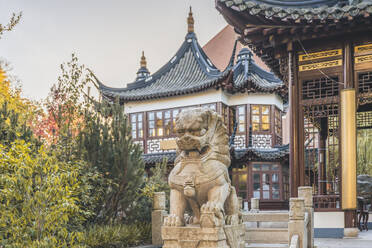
[(202, 130)]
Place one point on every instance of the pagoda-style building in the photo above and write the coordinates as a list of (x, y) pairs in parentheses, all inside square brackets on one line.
[(322, 50), (250, 100)]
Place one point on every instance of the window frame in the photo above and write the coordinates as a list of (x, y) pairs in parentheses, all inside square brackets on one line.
[(270, 172), (260, 116), (237, 115), (172, 119), (137, 123)]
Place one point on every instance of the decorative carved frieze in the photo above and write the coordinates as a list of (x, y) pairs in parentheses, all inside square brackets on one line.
[(321, 65), (261, 140), (363, 48), (154, 145), (320, 55), (239, 141), (296, 209), (363, 59)]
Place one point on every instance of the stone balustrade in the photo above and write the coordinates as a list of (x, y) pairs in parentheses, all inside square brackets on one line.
[(157, 217), (297, 225), (307, 194), (295, 242)]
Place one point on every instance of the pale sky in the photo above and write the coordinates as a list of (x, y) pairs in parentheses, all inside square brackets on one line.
[(107, 36)]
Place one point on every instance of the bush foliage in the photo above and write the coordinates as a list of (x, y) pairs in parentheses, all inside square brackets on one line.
[(71, 167), (38, 196), (117, 236)]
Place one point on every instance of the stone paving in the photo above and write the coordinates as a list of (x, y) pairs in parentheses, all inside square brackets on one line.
[(363, 241)]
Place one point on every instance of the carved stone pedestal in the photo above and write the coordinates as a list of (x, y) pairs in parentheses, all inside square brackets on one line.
[(194, 236)]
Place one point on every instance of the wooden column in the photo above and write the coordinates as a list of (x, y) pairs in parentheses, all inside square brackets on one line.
[(296, 141), (348, 140)]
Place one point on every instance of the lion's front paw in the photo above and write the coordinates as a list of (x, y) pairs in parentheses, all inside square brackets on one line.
[(213, 207), (172, 220), (212, 215)]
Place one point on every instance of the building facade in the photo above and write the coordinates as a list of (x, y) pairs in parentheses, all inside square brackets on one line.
[(323, 51), (250, 100)]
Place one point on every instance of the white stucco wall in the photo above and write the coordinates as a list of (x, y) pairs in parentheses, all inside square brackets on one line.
[(286, 128), (205, 97), (329, 220), (253, 98)]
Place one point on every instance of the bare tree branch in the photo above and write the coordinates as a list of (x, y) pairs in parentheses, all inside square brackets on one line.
[(14, 20)]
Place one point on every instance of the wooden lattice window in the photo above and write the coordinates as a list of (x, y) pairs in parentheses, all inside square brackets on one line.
[(364, 119), (320, 88), (162, 123), (260, 118), (136, 121), (365, 82)]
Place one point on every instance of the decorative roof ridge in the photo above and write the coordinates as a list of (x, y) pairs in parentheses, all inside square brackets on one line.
[(190, 42), (253, 67), (203, 60), (292, 5), (336, 11), (185, 91), (261, 72)]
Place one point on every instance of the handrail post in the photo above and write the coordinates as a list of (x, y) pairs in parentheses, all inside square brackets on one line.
[(157, 217), (306, 193), (255, 205), (240, 200), (296, 224)]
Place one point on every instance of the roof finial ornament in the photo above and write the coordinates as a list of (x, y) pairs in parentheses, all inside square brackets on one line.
[(190, 22), (143, 60)]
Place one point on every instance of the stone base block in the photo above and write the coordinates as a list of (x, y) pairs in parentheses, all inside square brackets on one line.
[(351, 232), (197, 237)]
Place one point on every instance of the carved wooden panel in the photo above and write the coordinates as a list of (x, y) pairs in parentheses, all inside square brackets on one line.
[(364, 119), (239, 141), (365, 87), (320, 88), (365, 82), (261, 140), (154, 145)]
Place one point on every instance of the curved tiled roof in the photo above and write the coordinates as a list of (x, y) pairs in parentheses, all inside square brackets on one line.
[(262, 154), (251, 154), (301, 10), (247, 72), (190, 70), (154, 158)]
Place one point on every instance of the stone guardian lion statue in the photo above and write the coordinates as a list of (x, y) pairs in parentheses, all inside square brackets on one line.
[(200, 180)]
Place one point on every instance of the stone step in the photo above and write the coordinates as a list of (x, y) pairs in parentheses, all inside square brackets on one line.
[(266, 235), (255, 245)]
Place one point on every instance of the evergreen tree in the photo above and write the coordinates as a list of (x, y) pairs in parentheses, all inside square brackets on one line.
[(106, 144)]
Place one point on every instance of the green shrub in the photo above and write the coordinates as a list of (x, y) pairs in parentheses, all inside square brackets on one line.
[(37, 199), (117, 236)]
